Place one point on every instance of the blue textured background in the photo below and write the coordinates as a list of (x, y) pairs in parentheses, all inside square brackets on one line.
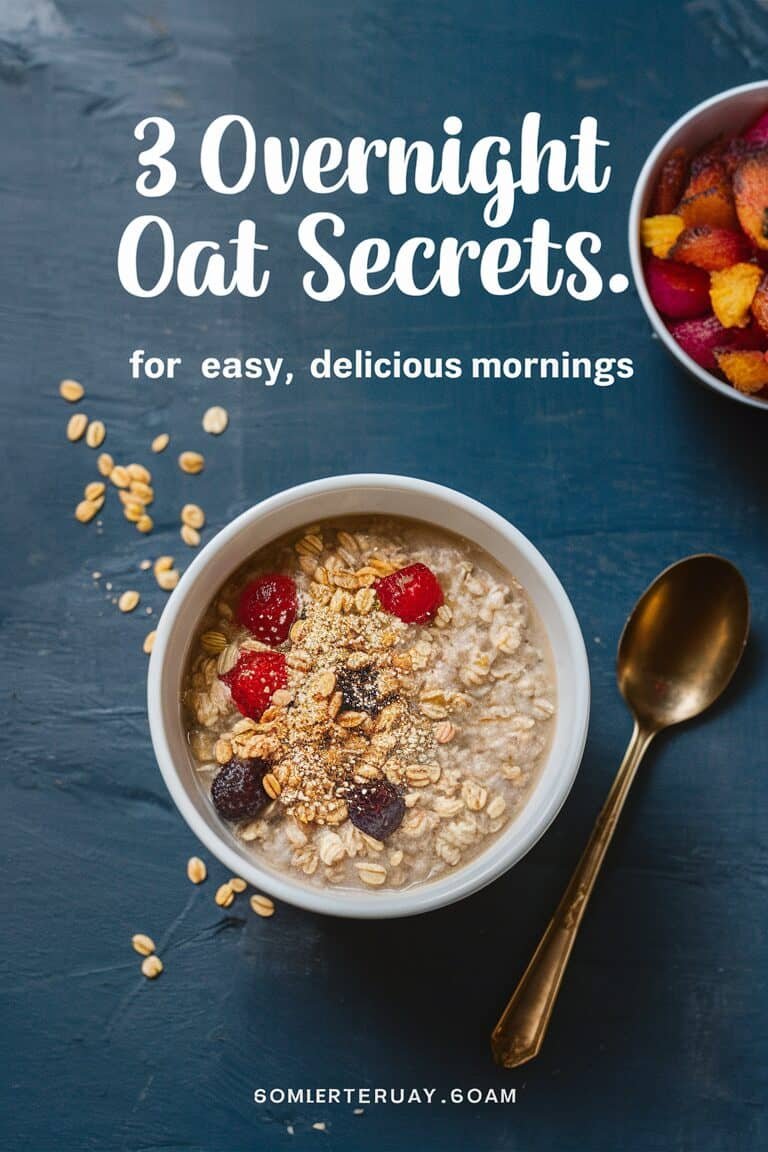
[(658, 1041)]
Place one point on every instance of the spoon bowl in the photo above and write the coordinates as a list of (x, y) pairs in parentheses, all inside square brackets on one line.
[(683, 641), (677, 653)]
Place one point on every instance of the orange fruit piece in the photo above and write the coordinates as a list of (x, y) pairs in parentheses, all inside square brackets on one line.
[(747, 371), (732, 291), (660, 232)]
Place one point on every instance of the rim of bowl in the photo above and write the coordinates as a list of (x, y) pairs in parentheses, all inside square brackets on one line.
[(635, 250), (422, 897)]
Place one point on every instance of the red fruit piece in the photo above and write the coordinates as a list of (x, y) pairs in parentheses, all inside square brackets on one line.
[(750, 186), (670, 184), (710, 248), (413, 594), (679, 291), (254, 680), (757, 133), (268, 607), (700, 338)]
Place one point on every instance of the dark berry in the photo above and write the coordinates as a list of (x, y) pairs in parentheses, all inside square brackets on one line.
[(237, 791), (413, 594), (268, 606), (254, 679), (376, 808)]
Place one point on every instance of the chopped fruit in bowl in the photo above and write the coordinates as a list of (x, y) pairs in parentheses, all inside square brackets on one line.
[(705, 242), (254, 679), (268, 607), (413, 594)]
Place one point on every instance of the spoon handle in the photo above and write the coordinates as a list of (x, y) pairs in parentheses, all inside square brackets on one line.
[(520, 1032)]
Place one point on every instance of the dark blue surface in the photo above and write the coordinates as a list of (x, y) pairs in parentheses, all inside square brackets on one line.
[(658, 1040)]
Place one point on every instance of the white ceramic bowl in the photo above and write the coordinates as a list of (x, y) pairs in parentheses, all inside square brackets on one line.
[(728, 112), (347, 496)]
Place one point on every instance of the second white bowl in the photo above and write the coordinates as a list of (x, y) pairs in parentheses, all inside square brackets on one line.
[(728, 112)]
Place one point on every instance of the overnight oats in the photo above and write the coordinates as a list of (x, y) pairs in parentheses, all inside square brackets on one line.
[(368, 702)]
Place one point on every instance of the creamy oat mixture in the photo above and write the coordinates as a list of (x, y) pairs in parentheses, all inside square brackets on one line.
[(427, 734)]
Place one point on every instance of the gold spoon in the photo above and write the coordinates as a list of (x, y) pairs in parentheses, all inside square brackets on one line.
[(678, 651)]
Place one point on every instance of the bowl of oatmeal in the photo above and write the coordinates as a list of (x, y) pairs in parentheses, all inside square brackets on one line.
[(369, 696)]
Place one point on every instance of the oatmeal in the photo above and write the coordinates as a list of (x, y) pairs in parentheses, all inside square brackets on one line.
[(368, 702)]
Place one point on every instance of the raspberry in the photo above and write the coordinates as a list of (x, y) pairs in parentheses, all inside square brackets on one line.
[(376, 809), (253, 680), (268, 607), (413, 594), (237, 791)]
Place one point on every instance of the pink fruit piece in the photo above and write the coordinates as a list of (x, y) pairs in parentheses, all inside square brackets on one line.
[(702, 336), (679, 291)]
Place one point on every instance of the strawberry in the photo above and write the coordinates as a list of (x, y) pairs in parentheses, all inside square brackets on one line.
[(679, 291), (268, 607), (413, 594), (254, 679)]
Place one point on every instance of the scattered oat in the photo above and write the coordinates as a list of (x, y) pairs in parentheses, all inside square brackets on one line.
[(161, 442), (262, 905), (105, 464), (139, 472), (237, 884), (191, 462), (142, 492), (94, 490), (71, 391), (151, 967), (87, 509), (142, 944), (95, 434), (145, 565), (190, 536), (76, 426), (215, 420), (193, 515), (128, 600), (196, 870), (224, 895), (149, 641), (358, 1111), (167, 579), (319, 1126), (120, 476)]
